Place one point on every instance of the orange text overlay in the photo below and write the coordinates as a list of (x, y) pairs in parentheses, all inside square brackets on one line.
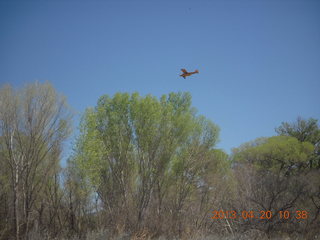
[(259, 214)]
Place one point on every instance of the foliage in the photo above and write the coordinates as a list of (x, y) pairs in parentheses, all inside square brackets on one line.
[(272, 175), (145, 167), (135, 150), (278, 153), (304, 131)]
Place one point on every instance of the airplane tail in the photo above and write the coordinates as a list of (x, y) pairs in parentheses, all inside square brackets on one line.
[(196, 71)]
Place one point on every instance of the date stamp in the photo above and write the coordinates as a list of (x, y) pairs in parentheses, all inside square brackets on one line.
[(267, 215)]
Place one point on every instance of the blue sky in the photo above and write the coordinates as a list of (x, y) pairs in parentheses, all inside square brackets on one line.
[(259, 61)]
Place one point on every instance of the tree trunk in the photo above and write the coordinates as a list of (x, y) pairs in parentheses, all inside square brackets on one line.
[(16, 203)]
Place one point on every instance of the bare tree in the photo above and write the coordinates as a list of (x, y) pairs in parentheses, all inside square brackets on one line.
[(34, 121)]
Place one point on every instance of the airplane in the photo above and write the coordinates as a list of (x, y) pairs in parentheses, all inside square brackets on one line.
[(186, 74)]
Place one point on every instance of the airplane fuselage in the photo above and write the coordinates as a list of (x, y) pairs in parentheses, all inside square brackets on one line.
[(184, 75)]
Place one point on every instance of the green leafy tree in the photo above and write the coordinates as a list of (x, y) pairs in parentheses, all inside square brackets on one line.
[(308, 130), (271, 177), (135, 150), (279, 153), (304, 131)]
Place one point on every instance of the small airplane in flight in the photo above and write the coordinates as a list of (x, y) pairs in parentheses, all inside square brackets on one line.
[(186, 74)]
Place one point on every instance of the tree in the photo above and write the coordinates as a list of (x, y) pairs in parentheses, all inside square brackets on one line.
[(304, 131), (308, 131), (34, 121), (133, 149), (271, 177), (279, 153)]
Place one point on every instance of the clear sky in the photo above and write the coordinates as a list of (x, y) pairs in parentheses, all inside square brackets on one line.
[(259, 61)]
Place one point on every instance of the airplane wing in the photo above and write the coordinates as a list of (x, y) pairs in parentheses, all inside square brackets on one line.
[(183, 70)]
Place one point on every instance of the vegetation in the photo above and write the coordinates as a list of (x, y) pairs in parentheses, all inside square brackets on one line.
[(148, 168)]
